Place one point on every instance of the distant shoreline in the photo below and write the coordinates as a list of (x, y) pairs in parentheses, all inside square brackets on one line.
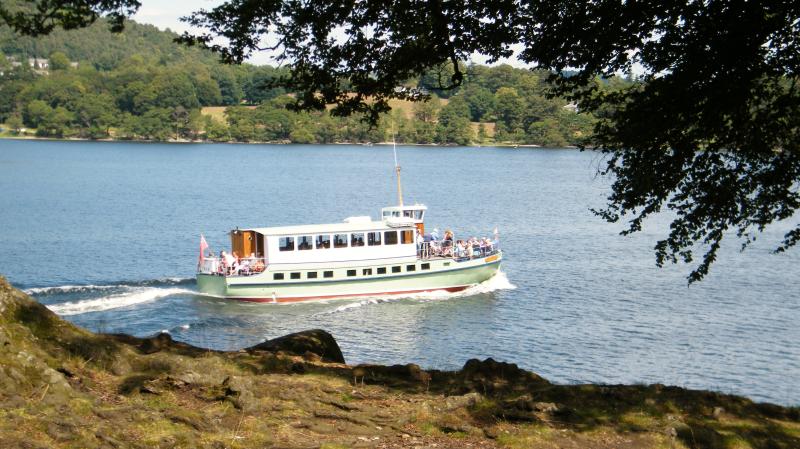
[(366, 144)]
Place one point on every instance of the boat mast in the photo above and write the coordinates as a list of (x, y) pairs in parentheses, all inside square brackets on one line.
[(397, 170)]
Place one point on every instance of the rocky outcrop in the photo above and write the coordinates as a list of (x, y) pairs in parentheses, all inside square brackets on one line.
[(315, 341)]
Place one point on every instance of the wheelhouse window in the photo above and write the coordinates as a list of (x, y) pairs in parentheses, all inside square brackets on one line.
[(390, 237), (286, 243), (305, 242), (407, 237), (357, 239), (373, 238), (340, 240), (408, 213), (323, 241), (418, 214)]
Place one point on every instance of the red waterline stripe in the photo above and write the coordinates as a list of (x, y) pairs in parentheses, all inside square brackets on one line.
[(311, 298)]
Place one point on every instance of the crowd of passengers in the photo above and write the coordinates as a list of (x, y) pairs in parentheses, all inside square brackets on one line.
[(431, 246), (230, 264)]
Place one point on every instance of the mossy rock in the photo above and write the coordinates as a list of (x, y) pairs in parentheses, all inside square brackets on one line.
[(316, 341)]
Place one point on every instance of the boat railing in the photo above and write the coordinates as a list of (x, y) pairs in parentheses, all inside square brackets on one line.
[(449, 250), (247, 266)]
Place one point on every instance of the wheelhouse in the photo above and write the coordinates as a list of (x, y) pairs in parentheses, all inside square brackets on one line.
[(405, 215)]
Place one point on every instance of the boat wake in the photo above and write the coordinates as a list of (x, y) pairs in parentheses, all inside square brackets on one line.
[(497, 282), (116, 301), (78, 299)]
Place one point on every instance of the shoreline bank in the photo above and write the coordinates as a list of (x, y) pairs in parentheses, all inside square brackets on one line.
[(187, 141)]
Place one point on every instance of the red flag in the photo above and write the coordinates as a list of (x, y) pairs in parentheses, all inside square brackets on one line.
[(203, 247)]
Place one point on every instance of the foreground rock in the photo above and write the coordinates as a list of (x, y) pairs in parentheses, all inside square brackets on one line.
[(315, 341), (63, 387)]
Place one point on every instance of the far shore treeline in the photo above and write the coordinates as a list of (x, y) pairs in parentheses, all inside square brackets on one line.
[(140, 85)]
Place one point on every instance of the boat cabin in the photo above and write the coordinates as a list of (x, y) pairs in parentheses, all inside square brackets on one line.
[(356, 238), (405, 215)]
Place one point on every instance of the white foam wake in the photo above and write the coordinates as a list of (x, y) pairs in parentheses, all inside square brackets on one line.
[(115, 301), (497, 282), (69, 289)]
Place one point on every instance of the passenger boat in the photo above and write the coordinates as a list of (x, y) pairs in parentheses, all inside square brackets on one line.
[(355, 258)]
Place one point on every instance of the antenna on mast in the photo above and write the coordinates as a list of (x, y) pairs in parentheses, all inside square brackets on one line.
[(397, 170)]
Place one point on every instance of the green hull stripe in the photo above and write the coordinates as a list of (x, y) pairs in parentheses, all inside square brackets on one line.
[(355, 279)]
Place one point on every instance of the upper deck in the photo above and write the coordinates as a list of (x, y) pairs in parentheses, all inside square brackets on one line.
[(399, 235)]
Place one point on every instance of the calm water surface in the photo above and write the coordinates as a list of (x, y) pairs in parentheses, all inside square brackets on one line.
[(106, 234)]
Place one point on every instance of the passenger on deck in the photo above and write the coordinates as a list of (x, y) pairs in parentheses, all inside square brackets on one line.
[(461, 250), (245, 265), (487, 245), (228, 262), (258, 265), (475, 247), (435, 235), (446, 245), (468, 247)]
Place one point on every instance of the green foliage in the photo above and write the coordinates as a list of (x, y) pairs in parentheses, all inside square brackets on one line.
[(127, 82), (454, 126), (15, 123), (59, 61)]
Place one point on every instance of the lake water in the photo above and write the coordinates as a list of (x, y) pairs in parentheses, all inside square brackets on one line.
[(106, 234)]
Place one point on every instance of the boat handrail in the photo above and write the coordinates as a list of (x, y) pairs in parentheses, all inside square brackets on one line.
[(246, 266), (448, 250)]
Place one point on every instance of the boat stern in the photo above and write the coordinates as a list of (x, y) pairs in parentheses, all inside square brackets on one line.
[(212, 284)]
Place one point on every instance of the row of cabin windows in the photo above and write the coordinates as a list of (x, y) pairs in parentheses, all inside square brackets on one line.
[(406, 213), (350, 273), (356, 239)]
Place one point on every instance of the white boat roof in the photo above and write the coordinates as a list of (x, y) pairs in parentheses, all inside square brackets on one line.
[(330, 228)]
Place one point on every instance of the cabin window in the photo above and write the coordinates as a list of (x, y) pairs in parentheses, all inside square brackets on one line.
[(425, 266), (418, 214), (305, 242), (382, 270), (408, 237), (286, 243), (295, 275), (373, 238), (396, 213), (390, 237), (311, 275), (357, 239), (447, 264), (323, 241), (396, 269), (351, 272), (277, 276), (367, 271), (386, 214), (327, 274), (408, 213), (411, 268), (340, 240)]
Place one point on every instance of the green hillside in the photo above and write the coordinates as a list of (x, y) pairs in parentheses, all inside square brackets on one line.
[(103, 50), (139, 84)]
